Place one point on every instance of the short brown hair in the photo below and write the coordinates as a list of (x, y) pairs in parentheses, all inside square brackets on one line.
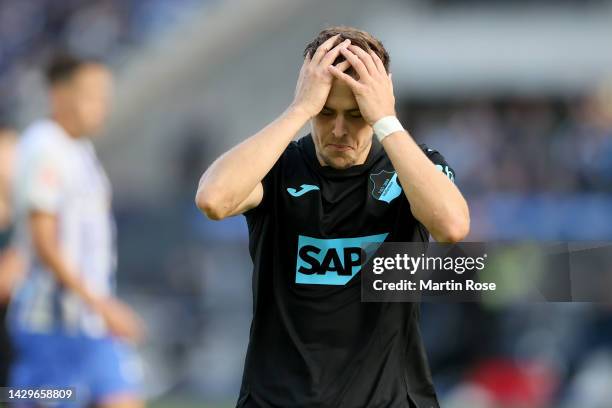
[(62, 66), (360, 38)]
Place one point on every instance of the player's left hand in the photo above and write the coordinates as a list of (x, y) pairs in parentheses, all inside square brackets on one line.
[(374, 89)]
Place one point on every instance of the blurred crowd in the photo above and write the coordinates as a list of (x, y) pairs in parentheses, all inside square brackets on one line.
[(102, 29), (455, 3), (522, 145), (526, 164)]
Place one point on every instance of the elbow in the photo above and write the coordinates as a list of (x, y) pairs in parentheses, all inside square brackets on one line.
[(458, 233), (211, 204), (458, 225), (456, 230)]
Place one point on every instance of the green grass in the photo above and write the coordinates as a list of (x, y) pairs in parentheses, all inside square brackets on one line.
[(184, 404)]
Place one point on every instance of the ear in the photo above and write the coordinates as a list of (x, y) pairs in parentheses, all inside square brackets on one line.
[(57, 93)]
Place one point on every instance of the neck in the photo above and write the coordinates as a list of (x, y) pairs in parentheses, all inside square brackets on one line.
[(67, 124)]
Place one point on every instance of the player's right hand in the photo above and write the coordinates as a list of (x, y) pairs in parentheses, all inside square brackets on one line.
[(121, 320), (315, 80)]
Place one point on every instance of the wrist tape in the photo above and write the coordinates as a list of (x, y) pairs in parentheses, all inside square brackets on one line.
[(386, 126)]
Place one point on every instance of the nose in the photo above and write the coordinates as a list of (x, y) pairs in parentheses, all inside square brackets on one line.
[(339, 127)]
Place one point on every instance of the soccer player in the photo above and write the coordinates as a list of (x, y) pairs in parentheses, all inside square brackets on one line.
[(308, 203), (67, 328)]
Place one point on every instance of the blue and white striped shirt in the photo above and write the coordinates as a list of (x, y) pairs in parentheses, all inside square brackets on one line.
[(60, 175)]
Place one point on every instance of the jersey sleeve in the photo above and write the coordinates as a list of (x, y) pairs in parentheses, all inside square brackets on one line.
[(268, 183), (44, 181), (440, 162)]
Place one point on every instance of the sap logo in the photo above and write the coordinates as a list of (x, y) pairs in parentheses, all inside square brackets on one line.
[(304, 188), (333, 261), (385, 186)]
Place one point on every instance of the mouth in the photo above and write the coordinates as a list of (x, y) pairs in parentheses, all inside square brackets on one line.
[(339, 147)]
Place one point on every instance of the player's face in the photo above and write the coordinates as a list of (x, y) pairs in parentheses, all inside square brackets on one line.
[(341, 136), (90, 92)]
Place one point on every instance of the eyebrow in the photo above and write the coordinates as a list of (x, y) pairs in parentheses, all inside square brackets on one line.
[(348, 110)]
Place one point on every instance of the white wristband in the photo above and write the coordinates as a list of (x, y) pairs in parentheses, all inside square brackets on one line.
[(385, 126)]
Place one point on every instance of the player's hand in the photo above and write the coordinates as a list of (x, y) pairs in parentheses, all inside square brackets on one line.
[(121, 320), (315, 79), (374, 89)]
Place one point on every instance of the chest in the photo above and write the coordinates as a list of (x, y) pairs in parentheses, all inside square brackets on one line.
[(326, 207), (87, 187)]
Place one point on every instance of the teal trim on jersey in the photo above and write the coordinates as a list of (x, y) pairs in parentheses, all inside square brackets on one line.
[(305, 188), (447, 171), (333, 261)]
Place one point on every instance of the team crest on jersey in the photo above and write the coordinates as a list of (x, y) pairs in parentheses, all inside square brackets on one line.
[(385, 186)]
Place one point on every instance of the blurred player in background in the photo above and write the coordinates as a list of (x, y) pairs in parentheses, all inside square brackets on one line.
[(10, 265), (67, 328), (310, 205)]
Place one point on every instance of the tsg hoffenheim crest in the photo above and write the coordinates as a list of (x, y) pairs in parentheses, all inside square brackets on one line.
[(385, 186)]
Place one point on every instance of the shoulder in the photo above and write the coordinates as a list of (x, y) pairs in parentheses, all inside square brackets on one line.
[(42, 149), (42, 139), (297, 147), (429, 152), (44, 128), (296, 153), (439, 160)]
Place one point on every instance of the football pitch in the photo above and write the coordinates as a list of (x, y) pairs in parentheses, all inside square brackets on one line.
[(183, 404)]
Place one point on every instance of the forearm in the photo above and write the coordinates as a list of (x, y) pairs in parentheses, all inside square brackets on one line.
[(5, 209), (67, 276), (234, 175), (11, 271), (434, 199), (43, 228)]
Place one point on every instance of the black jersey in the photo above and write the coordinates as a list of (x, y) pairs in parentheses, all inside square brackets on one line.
[(313, 343)]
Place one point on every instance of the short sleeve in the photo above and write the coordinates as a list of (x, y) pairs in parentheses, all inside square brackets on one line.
[(267, 183), (44, 182), (439, 161)]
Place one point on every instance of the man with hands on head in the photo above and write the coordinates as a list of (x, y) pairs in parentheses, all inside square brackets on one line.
[(358, 178)]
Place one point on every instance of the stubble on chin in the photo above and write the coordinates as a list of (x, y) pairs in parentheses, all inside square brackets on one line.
[(338, 162)]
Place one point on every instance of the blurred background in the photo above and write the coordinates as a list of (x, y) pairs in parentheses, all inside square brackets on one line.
[(517, 95)]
